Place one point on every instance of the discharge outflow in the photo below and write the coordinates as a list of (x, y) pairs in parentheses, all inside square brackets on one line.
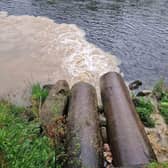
[(38, 49)]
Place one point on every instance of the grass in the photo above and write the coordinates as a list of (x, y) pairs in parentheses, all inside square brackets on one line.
[(22, 144), (161, 92), (38, 95), (159, 89), (145, 108), (164, 113), (157, 165), (22, 141), (163, 107)]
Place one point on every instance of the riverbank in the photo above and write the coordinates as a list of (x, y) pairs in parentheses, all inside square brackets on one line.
[(22, 136), (152, 107)]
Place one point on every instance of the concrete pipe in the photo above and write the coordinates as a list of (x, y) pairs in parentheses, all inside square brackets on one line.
[(126, 135), (83, 135)]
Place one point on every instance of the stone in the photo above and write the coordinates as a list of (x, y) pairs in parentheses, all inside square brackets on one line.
[(55, 105), (144, 93), (135, 84)]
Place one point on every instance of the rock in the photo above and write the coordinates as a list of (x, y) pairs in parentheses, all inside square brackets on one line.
[(135, 84), (107, 156), (106, 147), (48, 86), (100, 109), (104, 134), (55, 105), (159, 138), (144, 93), (102, 120)]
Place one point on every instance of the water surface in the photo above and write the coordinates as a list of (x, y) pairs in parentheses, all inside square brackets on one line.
[(36, 49), (135, 31)]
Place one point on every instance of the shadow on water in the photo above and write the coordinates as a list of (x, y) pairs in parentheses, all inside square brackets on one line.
[(136, 31)]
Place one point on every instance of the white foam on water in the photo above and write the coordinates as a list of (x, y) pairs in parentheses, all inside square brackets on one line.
[(36, 49)]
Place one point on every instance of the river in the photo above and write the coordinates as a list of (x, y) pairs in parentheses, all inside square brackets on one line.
[(84, 38)]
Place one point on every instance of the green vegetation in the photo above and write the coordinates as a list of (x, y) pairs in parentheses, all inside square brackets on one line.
[(159, 89), (161, 93), (39, 94), (164, 110), (23, 142), (157, 165), (144, 108)]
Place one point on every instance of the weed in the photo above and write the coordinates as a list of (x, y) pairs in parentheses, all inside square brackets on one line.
[(161, 92), (144, 108), (163, 107), (38, 93), (38, 96), (157, 165), (22, 144), (159, 89)]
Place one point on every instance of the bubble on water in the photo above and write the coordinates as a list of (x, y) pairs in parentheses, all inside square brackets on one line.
[(3, 14)]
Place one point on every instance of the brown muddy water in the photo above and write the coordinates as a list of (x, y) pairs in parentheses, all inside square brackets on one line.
[(43, 40), (36, 49)]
